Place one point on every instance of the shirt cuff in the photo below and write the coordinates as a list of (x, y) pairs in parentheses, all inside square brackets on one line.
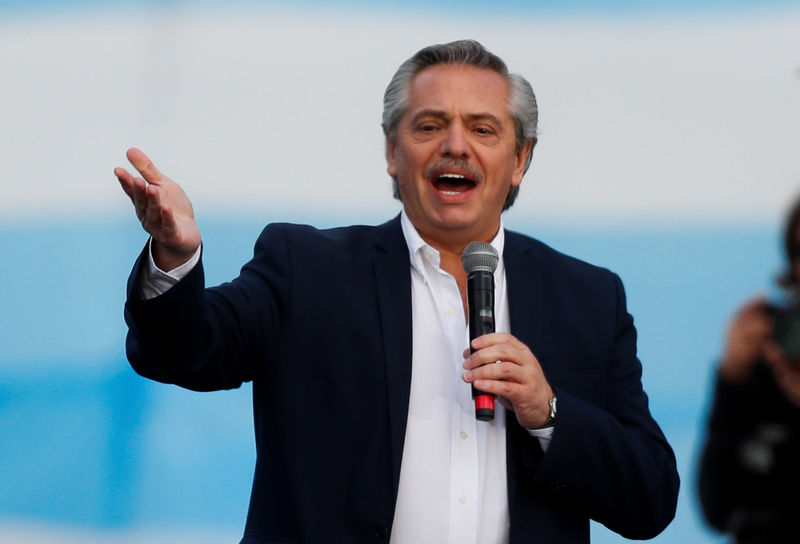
[(155, 281), (543, 435)]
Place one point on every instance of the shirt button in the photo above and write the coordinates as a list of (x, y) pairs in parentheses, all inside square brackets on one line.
[(450, 312), (464, 435), (463, 498)]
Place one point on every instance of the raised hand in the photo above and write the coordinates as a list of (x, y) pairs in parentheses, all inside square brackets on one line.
[(163, 209)]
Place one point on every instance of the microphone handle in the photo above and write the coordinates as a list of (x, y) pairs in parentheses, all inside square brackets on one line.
[(480, 298)]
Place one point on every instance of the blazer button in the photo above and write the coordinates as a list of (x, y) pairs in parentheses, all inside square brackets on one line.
[(381, 531)]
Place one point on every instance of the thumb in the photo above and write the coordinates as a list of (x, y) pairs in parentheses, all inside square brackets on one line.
[(145, 166)]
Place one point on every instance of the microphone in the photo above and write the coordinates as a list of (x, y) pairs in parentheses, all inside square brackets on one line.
[(479, 260)]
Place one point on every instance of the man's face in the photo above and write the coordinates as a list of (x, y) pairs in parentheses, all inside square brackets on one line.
[(454, 154)]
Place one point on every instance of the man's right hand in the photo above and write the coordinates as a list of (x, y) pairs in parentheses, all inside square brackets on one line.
[(163, 209)]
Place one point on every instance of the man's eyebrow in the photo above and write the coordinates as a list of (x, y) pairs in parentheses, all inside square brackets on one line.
[(439, 114), (485, 117)]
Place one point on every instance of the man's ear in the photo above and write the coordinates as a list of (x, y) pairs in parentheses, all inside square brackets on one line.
[(521, 159)]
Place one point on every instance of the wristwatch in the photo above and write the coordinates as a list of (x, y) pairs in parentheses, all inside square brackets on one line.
[(551, 420)]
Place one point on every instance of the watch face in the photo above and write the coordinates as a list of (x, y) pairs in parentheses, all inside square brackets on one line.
[(550, 420)]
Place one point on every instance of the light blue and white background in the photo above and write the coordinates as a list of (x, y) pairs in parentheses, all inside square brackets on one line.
[(668, 152)]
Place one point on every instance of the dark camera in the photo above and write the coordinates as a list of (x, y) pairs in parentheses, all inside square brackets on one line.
[(787, 329)]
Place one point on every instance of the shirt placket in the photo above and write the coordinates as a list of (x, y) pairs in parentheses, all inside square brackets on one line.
[(464, 477)]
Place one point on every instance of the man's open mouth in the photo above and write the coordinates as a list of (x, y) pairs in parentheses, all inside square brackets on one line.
[(452, 184)]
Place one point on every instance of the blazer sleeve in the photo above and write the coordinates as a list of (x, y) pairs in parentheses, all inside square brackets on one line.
[(607, 455), (209, 339)]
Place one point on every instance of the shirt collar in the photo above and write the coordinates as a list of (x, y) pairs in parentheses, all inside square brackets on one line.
[(416, 245)]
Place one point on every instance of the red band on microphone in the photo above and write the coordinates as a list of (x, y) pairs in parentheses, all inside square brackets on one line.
[(484, 402)]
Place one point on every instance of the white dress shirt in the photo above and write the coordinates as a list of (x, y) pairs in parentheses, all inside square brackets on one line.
[(453, 476)]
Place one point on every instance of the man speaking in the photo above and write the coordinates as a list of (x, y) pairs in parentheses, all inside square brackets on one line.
[(356, 341)]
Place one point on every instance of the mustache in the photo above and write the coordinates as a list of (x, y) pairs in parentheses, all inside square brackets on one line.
[(448, 163)]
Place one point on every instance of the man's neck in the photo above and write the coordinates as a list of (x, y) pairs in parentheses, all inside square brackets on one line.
[(453, 244), (450, 245)]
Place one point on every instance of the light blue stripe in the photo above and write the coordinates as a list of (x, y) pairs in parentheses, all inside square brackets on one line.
[(455, 7)]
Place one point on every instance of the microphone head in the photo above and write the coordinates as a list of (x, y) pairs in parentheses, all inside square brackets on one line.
[(479, 256)]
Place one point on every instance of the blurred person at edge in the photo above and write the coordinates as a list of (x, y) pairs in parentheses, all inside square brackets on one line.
[(356, 342), (749, 473)]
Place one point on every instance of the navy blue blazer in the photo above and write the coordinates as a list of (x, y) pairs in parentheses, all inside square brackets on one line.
[(320, 322)]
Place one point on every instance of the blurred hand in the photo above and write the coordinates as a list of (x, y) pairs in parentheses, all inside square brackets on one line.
[(503, 365), (163, 209), (748, 335)]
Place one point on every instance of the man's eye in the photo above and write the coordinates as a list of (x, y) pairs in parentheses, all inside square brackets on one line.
[(484, 130), (426, 128)]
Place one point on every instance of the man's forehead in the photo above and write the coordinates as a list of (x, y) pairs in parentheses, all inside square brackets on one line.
[(440, 87), (447, 74)]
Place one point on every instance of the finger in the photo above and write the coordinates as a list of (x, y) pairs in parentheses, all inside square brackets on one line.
[(496, 338), (500, 370), (469, 351), (486, 356), (755, 310), (513, 354), (140, 198), (145, 166), (754, 331), (505, 371), (154, 211), (512, 391), (125, 180)]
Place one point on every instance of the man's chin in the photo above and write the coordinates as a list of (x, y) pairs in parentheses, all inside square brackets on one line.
[(460, 228)]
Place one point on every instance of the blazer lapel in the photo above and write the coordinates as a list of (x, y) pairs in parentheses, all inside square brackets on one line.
[(524, 308), (393, 281), (524, 290)]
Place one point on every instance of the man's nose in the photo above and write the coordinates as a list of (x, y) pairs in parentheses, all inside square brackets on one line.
[(455, 143)]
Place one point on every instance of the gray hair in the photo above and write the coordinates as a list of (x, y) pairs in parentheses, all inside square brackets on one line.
[(521, 104)]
